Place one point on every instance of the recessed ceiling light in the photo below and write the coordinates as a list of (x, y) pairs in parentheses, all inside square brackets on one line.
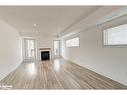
[(35, 25)]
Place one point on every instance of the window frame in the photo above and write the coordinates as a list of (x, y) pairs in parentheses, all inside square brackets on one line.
[(104, 38), (72, 46)]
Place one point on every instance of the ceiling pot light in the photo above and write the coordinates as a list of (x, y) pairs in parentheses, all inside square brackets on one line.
[(35, 25)]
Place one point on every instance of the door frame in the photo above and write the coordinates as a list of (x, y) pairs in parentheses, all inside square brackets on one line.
[(59, 49), (24, 48)]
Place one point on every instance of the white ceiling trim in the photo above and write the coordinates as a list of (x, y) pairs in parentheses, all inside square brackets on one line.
[(101, 15)]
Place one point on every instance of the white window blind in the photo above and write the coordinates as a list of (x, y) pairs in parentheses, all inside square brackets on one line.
[(116, 35), (74, 42)]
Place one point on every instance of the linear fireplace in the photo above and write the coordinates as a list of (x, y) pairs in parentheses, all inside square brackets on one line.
[(45, 55)]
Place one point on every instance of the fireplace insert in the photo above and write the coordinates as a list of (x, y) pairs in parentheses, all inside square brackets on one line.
[(45, 55)]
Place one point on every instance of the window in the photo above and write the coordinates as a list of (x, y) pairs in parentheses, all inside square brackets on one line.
[(116, 35), (57, 47), (74, 42)]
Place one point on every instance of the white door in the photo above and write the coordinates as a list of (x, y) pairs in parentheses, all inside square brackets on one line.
[(30, 49), (57, 48)]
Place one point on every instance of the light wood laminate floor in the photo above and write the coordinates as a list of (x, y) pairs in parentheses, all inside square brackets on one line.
[(57, 74)]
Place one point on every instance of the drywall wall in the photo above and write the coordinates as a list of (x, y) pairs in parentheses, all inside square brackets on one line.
[(108, 61), (42, 40), (10, 49)]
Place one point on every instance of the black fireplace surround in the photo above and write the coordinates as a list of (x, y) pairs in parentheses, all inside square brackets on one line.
[(45, 55)]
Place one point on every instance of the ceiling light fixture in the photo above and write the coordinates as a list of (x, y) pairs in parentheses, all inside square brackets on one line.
[(35, 25)]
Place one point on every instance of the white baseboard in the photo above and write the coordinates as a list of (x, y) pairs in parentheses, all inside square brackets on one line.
[(2, 76)]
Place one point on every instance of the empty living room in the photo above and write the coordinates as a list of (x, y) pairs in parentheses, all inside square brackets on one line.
[(63, 47)]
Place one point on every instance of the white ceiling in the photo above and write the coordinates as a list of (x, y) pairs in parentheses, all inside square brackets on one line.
[(50, 20), (100, 16)]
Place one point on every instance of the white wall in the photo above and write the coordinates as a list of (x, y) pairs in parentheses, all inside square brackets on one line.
[(10, 49), (43, 41), (108, 61)]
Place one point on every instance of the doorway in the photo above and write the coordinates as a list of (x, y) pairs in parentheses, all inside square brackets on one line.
[(30, 48), (56, 44)]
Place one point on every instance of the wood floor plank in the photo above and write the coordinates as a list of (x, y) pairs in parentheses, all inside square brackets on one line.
[(57, 74)]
